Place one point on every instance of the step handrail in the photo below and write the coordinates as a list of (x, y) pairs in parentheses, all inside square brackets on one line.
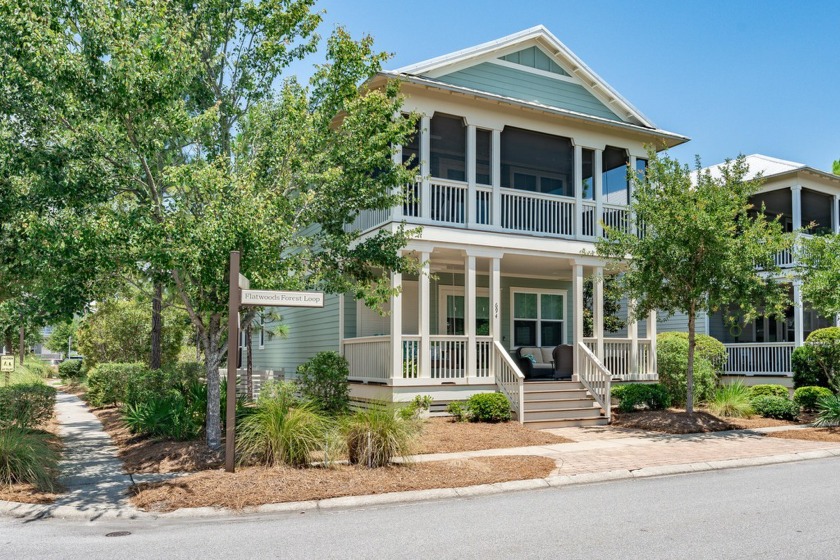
[(595, 377), (509, 380)]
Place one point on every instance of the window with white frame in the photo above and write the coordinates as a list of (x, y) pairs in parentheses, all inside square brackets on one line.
[(537, 317)]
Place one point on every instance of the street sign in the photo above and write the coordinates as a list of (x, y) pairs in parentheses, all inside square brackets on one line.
[(282, 299), (7, 362)]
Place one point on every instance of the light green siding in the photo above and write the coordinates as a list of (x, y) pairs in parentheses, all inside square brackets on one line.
[(529, 86), (679, 323), (310, 331), (534, 58)]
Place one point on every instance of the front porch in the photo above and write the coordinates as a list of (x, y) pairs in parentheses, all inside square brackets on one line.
[(453, 329)]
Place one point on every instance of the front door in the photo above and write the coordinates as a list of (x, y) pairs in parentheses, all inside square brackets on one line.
[(453, 311)]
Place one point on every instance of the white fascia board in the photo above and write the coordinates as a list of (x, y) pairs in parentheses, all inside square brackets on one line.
[(591, 81)]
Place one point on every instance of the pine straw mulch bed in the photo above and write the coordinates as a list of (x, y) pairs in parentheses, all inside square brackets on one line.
[(442, 435), (439, 435), (148, 455), (677, 421), (253, 486), (810, 434), (27, 493)]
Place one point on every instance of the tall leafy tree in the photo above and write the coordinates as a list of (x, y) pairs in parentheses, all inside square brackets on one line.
[(818, 259), (703, 247), (175, 120)]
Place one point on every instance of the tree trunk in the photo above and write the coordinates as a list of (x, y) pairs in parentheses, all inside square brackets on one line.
[(689, 373), (157, 327), (213, 353), (249, 364), (22, 345)]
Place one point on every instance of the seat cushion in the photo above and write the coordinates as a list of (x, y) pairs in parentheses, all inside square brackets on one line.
[(547, 351), (532, 351)]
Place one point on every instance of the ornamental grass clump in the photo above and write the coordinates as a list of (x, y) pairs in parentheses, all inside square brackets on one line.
[(828, 411), (281, 431), (27, 456), (731, 401), (377, 435)]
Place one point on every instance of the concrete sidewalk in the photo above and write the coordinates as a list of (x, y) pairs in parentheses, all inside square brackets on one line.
[(97, 488)]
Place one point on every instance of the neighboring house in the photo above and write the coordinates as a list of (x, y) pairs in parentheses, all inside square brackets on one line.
[(522, 151), (807, 200)]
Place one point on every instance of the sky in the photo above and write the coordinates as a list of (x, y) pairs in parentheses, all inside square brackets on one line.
[(736, 76)]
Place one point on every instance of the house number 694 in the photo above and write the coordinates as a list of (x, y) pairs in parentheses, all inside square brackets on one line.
[(496, 311)]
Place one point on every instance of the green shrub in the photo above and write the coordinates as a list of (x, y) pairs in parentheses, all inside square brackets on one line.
[(323, 379), (652, 396), (489, 407), (27, 456), (109, 383), (817, 362), (417, 406), (769, 390), (144, 384), (178, 415), (731, 401), (26, 406), (70, 370), (37, 367), (808, 397), (672, 364), (459, 410), (828, 411), (377, 435), (770, 406), (281, 431)]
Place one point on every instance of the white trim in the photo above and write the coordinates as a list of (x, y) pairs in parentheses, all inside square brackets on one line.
[(537, 71), (539, 292)]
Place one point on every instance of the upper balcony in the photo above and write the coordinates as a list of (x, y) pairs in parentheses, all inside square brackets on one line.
[(510, 181)]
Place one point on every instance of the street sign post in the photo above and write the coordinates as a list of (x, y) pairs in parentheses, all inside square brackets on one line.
[(242, 295)]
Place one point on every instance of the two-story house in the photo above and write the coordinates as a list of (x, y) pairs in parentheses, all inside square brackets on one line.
[(522, 152), (807, 201)]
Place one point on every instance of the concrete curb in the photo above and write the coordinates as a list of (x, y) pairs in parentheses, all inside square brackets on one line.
[(41, 511)]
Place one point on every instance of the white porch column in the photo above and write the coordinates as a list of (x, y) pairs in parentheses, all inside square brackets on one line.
[(470, 206), (340, 324), (633, 335), (796, 206), (396, 328), (798, 321), (469, 315), (598, 166), (578, 179), (423, 316), (496, 165), (835, 215), (397, 210), (577, 313), (632, 164), (598, 311), (425, 158), (651, 334), (496, 298)]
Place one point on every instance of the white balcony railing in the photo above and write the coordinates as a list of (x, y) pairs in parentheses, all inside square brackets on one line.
[(759, 358), (618, 357), (454, 203), (368, 357)]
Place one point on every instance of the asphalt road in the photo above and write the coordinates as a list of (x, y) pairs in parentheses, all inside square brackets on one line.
[(781, 511)]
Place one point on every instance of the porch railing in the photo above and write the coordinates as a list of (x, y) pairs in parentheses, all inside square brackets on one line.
[(368, 357), (759, 358), (537, 213), (618, 357), (509, 380), (594, 376), (453, 203)]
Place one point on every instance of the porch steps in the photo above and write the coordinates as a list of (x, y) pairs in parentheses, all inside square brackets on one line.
[(560, 404)]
